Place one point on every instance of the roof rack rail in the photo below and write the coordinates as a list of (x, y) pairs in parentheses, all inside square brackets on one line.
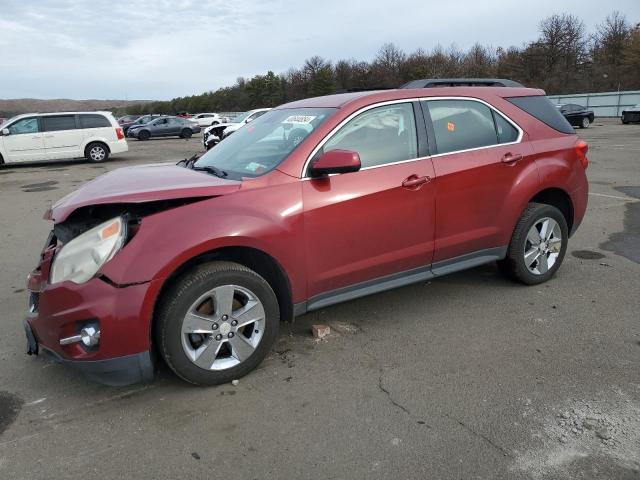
[(362, 89), (461, 82)]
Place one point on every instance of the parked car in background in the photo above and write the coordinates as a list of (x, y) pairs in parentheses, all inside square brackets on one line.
[(126, 121), (183, 115), (164, 127), (631, 115), (142, 120), (577, 115), (216, 133), (60, 136), (200, 262), (206, 119), (2, 120)]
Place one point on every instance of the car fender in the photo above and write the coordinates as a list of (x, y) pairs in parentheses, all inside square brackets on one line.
[(167, 240), (94, 139), (559, 168)]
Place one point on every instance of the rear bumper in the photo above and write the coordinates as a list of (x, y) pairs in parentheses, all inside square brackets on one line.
[(579, 198), (120, 146)]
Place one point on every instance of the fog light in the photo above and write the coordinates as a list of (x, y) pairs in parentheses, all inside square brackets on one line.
[(89, 336)]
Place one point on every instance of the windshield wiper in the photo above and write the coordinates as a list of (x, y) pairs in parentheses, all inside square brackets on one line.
[(212, 170), (191, 163), (188, 163)]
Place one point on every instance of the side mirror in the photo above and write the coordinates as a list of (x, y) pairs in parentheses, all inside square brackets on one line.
[(335, 161), (6, 131)]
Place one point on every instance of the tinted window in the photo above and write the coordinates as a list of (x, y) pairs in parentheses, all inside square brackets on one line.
[(507, 133), (26, 125), (59, 122), (94, 121), (545, 111), (381, 135), (461, 125)]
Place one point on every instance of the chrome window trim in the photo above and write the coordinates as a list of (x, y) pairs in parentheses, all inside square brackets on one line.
[(410, 100)]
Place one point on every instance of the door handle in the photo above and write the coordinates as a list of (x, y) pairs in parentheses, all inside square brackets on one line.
[(511, 157), (415, 181)]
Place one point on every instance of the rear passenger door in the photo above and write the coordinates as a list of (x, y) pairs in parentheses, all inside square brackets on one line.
[(478, 157), (174, 126), (62, 138)]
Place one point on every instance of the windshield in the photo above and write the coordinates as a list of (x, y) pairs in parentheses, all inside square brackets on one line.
[(263, 144)]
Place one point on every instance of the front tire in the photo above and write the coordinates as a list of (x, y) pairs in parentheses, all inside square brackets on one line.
[(217, 323), (585, 123), (186, 133), (144, 135), (538, 245), (96, 152)]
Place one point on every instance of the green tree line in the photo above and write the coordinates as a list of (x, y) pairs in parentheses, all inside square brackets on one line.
[(565, 58)]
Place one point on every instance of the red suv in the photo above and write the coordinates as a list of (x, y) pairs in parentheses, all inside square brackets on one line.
[(317, 202)]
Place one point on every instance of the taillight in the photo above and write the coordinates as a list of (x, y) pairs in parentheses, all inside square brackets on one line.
[(119, 133), (581, 151)]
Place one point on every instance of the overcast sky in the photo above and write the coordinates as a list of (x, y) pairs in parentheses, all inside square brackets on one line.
[(160, 49)]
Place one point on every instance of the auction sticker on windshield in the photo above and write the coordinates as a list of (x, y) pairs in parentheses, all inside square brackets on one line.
[(299, 119)]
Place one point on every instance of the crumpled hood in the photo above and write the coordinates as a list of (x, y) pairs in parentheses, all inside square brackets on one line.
[(224, 125), (140, 184)]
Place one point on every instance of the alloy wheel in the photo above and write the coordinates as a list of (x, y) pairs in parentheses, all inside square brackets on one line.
[(542, 246), (223, 327), (97, 154)]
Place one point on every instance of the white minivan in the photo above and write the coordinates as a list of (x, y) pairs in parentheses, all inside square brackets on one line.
[(57, 136)]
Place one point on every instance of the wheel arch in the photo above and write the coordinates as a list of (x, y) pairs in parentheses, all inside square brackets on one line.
[(257, 260), (559, 198), (96, 140)]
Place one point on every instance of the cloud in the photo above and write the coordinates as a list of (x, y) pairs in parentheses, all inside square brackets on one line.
[(159, 49)]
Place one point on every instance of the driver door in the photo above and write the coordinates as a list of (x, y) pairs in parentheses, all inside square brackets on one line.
[(25, 141), (379, 221)]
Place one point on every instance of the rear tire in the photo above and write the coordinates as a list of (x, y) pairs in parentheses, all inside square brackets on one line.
[(220, 351), (535, 254), (186, 133), (144, 135), (96, 152)]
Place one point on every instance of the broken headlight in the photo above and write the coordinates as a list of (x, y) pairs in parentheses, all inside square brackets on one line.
[(80, 259)]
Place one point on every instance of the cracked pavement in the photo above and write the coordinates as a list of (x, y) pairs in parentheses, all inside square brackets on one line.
[(459, 377)]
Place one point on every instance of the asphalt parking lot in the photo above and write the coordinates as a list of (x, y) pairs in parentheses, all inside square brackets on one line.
[(468, 376)]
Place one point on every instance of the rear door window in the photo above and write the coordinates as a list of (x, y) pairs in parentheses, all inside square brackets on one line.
[(541, 108), (94, 121), (461, 125), (55, 123), (507, 133)]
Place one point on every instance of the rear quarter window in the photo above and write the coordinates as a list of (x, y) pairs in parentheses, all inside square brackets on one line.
[(541, 108), (94, 121)]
